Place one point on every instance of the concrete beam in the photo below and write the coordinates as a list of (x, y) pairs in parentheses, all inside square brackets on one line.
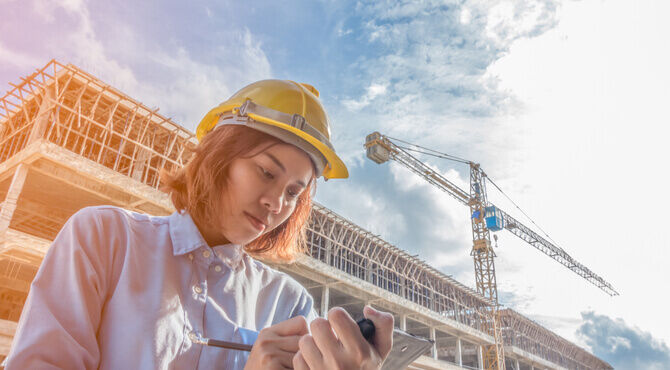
[(7, 330), (13, 193), (14, 284), (319, 271), (519, 353)]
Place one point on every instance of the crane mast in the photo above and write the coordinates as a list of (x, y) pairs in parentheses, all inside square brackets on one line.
[(485, 272), (380, 149)]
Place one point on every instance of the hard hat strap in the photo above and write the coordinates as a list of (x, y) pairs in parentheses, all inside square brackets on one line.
[(255, 121), (249, 109)]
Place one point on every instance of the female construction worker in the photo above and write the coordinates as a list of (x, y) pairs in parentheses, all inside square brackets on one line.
[(123, 290)]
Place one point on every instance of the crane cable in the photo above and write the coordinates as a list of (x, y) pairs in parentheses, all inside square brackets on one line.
[(435, 153), (521, 210), (432, 152)]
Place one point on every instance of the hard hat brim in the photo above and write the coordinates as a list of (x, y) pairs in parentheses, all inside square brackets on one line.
[(335, 167)]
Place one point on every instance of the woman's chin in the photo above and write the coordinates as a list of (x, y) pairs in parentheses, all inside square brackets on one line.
[(245, 239)]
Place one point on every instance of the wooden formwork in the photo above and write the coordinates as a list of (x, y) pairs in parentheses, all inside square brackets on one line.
[(72, 109)]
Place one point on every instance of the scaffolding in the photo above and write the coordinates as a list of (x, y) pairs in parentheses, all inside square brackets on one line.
[(99, 126), (74, 110), (529, 336), (344, 245)]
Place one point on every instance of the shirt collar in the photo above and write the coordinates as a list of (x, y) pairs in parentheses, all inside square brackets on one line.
[(186, 238), (184, 234)]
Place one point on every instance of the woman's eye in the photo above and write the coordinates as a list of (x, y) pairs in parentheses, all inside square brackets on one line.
[(291, 194), (267, 174)]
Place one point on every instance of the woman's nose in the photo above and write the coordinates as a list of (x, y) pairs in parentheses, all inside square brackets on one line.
[(272, 200)]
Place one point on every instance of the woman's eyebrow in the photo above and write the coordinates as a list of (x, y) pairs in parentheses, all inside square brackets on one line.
[(276, 161), (280, 165)]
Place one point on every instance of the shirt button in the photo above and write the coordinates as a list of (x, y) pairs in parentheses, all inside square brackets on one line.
[(206, 254), (197, 289), (190, 256), (217, 268)]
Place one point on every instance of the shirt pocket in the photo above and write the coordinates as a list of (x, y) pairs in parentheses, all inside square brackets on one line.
[(237, 359)]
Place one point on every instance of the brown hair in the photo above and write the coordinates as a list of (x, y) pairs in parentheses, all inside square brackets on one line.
[(198, 188)]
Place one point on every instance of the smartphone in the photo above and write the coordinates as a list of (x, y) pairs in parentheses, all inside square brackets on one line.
[(406, 349)]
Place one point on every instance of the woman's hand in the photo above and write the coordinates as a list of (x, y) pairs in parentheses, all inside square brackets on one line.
[(337, 343), (277, 344)]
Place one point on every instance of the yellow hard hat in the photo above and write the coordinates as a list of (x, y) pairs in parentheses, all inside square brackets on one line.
[(287, 110)]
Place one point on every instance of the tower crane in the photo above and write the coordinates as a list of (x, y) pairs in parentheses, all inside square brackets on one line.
[(485, 217)]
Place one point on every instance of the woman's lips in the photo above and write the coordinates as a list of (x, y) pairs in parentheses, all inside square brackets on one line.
[(256, 223)]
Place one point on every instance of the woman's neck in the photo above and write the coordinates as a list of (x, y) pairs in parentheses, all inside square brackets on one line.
[(212, 235)]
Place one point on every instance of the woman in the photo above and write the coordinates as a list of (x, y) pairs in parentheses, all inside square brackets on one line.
[(123, 290)]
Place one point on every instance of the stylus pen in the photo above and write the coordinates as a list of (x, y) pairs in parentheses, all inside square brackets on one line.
[(224, 344), (366, 326)]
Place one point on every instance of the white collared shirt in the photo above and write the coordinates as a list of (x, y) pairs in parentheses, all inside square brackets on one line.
[(124, 290)]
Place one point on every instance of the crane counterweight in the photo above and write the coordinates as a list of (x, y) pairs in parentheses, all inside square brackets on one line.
[(375, 148)]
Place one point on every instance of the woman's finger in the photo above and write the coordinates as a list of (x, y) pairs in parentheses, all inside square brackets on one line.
[(293, 326), (310, 352), (285, 359), (299, 362), (346, 329), (324, 337), (289, 343), (383, 339)]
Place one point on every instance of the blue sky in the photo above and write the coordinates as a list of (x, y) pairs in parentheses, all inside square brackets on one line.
[(562, 102)]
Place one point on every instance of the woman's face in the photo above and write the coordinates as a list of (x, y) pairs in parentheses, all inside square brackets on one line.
[(262, 191)]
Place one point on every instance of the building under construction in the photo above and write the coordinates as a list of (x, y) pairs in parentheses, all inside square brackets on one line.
[(68, 140)]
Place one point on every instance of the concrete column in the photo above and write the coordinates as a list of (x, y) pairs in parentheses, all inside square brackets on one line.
[(433, 337), (403, 322), (9, 205), (325, 297), (480, 357), (459, 352)]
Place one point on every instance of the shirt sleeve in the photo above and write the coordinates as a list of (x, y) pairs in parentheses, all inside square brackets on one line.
[(305, 307), (60, 318)]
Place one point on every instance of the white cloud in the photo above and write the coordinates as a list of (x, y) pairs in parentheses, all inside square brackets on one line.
[(194, 87), (187, 88), (432, 59), (591, 127), (372, 91), (623, 345), (17, 59)]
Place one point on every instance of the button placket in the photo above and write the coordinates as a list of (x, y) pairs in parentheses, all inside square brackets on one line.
[(195, 308)]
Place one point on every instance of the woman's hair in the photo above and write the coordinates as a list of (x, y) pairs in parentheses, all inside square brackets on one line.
[(199, 186)]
